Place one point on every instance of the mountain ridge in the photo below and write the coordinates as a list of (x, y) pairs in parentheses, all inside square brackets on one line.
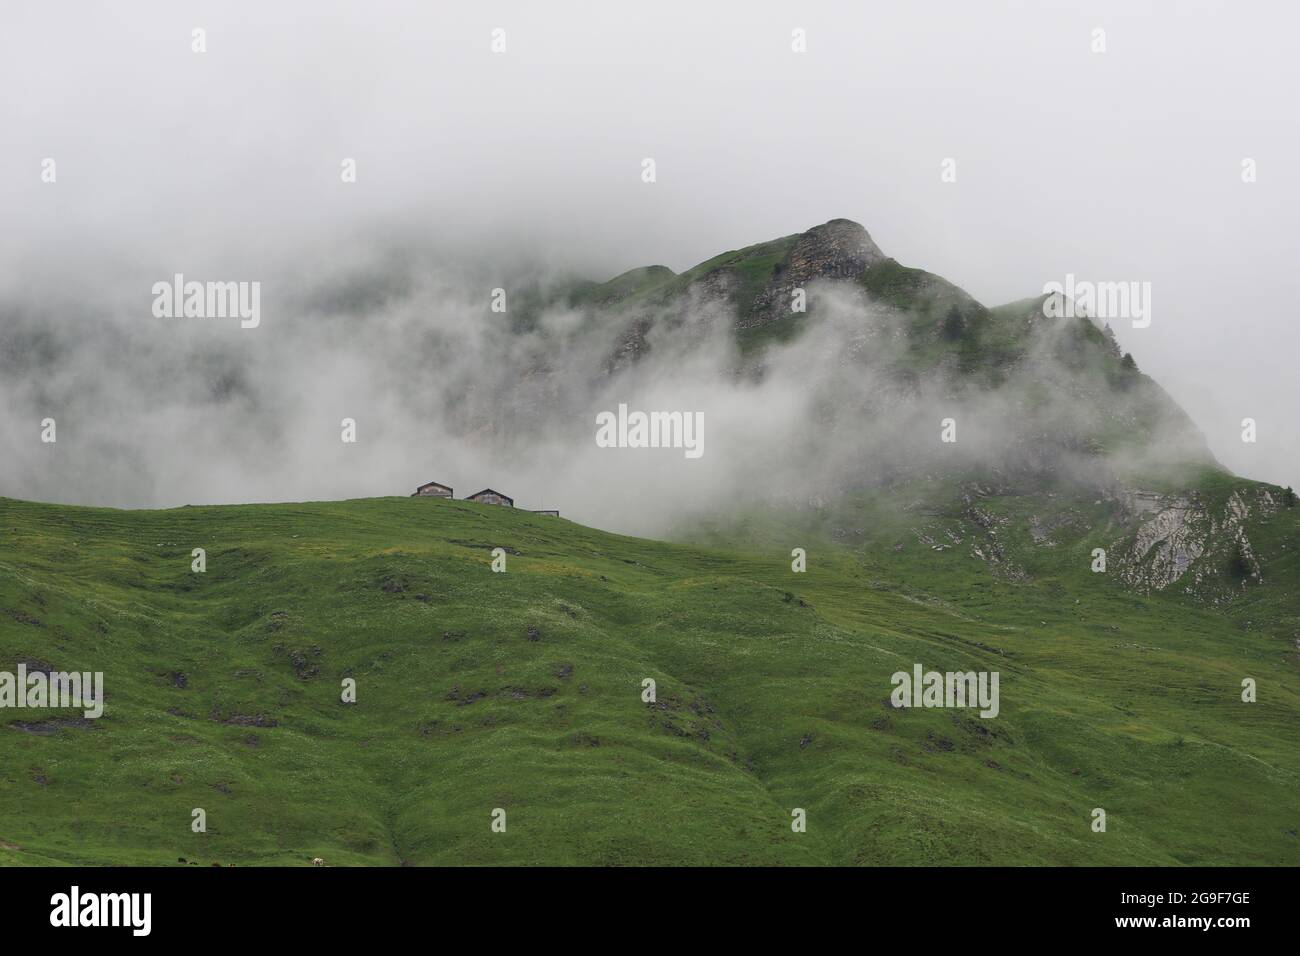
[(1060, 388)]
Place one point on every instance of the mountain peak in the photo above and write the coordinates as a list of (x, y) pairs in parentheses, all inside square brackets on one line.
[(840, 248), (848, 227)]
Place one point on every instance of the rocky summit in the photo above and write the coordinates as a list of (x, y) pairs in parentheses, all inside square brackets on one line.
[(1047, 410)]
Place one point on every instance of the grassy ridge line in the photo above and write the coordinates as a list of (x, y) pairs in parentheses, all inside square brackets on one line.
[(765, 703)]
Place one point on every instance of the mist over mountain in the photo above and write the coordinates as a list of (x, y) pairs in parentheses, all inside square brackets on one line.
[(848, 387), (816, 366), (230, 170)]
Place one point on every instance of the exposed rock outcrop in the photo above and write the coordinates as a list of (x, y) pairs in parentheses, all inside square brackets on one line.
[(1166, 543), (1184, 540), (839, 249)]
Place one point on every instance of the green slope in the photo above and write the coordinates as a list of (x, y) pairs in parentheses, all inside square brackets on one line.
[(522, 690)]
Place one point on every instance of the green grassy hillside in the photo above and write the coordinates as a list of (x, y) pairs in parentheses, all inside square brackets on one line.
[(522, 690)]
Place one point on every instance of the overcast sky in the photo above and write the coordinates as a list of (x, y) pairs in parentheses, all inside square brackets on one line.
[(1119, 165)]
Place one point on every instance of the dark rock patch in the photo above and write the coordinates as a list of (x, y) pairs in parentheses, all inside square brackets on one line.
[(460, 698), (47, 728), (22, 617), (934, 743), (523, 693), (244, 720), (302, 660)]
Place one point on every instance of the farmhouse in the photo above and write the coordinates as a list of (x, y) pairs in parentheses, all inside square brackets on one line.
[(432, 489), (489, 497)]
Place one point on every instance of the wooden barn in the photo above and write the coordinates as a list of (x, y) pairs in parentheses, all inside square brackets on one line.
[(489, 497), (432, 489)]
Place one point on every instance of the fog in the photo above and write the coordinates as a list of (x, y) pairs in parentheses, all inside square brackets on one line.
[(477, 169)]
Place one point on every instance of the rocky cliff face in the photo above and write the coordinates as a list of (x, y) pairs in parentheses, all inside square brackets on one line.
[(1169, 540), (839, 249), (1187, 540), (1210, 546)]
